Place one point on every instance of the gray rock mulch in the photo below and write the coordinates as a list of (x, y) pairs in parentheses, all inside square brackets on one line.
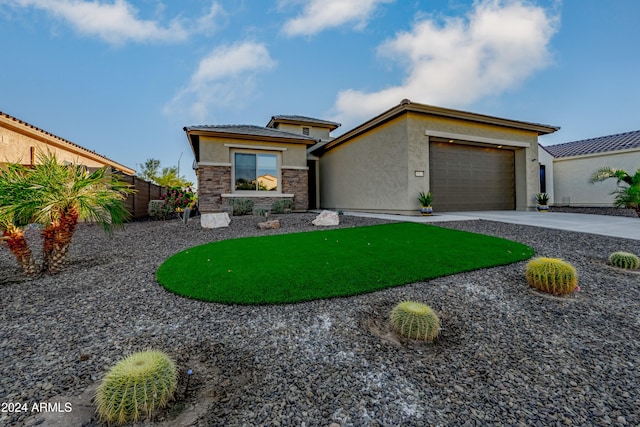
[(507, 355), (596, 211)]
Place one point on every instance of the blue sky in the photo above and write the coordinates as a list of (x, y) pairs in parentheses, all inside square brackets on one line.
[(124, 77)]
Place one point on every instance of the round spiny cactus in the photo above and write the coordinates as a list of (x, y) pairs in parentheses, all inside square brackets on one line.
[(624, 260), (135, 386), (415, 320), (552, 275)]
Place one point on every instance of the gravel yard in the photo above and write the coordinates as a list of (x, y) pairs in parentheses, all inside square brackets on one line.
[(506, 356)]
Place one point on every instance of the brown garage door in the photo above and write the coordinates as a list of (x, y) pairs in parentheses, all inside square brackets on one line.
[(470, 178)]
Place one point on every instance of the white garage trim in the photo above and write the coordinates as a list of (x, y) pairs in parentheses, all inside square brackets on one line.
[(470, 138)]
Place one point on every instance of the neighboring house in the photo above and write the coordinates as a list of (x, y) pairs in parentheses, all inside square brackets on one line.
[(263, 164), (468, 161), (21, 142), (573, 165)]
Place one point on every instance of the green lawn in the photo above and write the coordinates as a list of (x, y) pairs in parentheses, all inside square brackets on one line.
[(295, 267)]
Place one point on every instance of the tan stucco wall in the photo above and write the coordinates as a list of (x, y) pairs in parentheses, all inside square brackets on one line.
[(214, 150), (314, 131), (476, 129), (369, 172), (376, 171), (571, 177), (526, 169), (16, 148)]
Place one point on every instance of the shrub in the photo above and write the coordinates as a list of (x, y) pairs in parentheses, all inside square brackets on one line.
[(282, 206), (241, 206), (552, 275), (624, 260), (415, 320), (178, 199), (158, 209), (136, 386), (260, 212)]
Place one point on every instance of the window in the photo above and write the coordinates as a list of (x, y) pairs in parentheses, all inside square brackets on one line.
[(543, 179), (305, 131), (256, 172)]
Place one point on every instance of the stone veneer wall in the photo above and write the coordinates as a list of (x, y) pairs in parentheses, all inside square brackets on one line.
[(212, 182), (296, 182)]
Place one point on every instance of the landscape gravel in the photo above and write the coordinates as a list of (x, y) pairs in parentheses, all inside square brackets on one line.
[(507, 355)]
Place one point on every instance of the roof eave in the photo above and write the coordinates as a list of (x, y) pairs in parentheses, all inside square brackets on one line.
[(407, 106), (34, 132), (246, 136), (540, 129), (324, 124)]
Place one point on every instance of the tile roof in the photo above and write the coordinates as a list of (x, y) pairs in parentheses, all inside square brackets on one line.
[(304, 119), (7, 118), (248, 130), (602, 144)]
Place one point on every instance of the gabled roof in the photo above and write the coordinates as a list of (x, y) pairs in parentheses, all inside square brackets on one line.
[(407, 106), (24, 128), (249, 132), (293, 119), (602, 144)]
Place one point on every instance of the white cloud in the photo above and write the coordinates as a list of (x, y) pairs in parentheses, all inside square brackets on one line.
[(209, 23), (115, 22), (225, 77), (321, 14), (496, 47)]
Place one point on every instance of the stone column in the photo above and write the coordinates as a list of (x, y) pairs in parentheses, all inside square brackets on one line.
[(296, 182), (213, 181)]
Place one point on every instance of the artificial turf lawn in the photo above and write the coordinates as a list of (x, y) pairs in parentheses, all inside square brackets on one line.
[(287, 268)]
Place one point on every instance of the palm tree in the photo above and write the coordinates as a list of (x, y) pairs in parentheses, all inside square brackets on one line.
[(12, 181), (627, 194), (59, 196)]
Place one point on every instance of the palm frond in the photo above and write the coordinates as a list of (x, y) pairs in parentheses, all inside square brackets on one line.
[(627, 197), (47, 192), (607, 172)]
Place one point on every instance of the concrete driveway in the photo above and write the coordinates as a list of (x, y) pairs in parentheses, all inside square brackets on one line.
[(616, 226)]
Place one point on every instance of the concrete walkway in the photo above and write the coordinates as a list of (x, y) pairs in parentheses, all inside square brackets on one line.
[(615, 226)]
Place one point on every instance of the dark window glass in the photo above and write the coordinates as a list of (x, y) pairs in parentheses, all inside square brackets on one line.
[(245, 171), (256, 172)]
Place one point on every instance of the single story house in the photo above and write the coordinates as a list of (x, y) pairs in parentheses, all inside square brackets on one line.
[(264, 164), (21, 142), (468, 161), (570, 166)]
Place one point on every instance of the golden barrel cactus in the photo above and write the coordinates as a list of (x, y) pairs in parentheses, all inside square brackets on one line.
[(625, 260), (552, 275), (136, 386), (415, 321)]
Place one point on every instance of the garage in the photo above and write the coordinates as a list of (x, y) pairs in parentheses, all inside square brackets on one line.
[(470, 177)]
